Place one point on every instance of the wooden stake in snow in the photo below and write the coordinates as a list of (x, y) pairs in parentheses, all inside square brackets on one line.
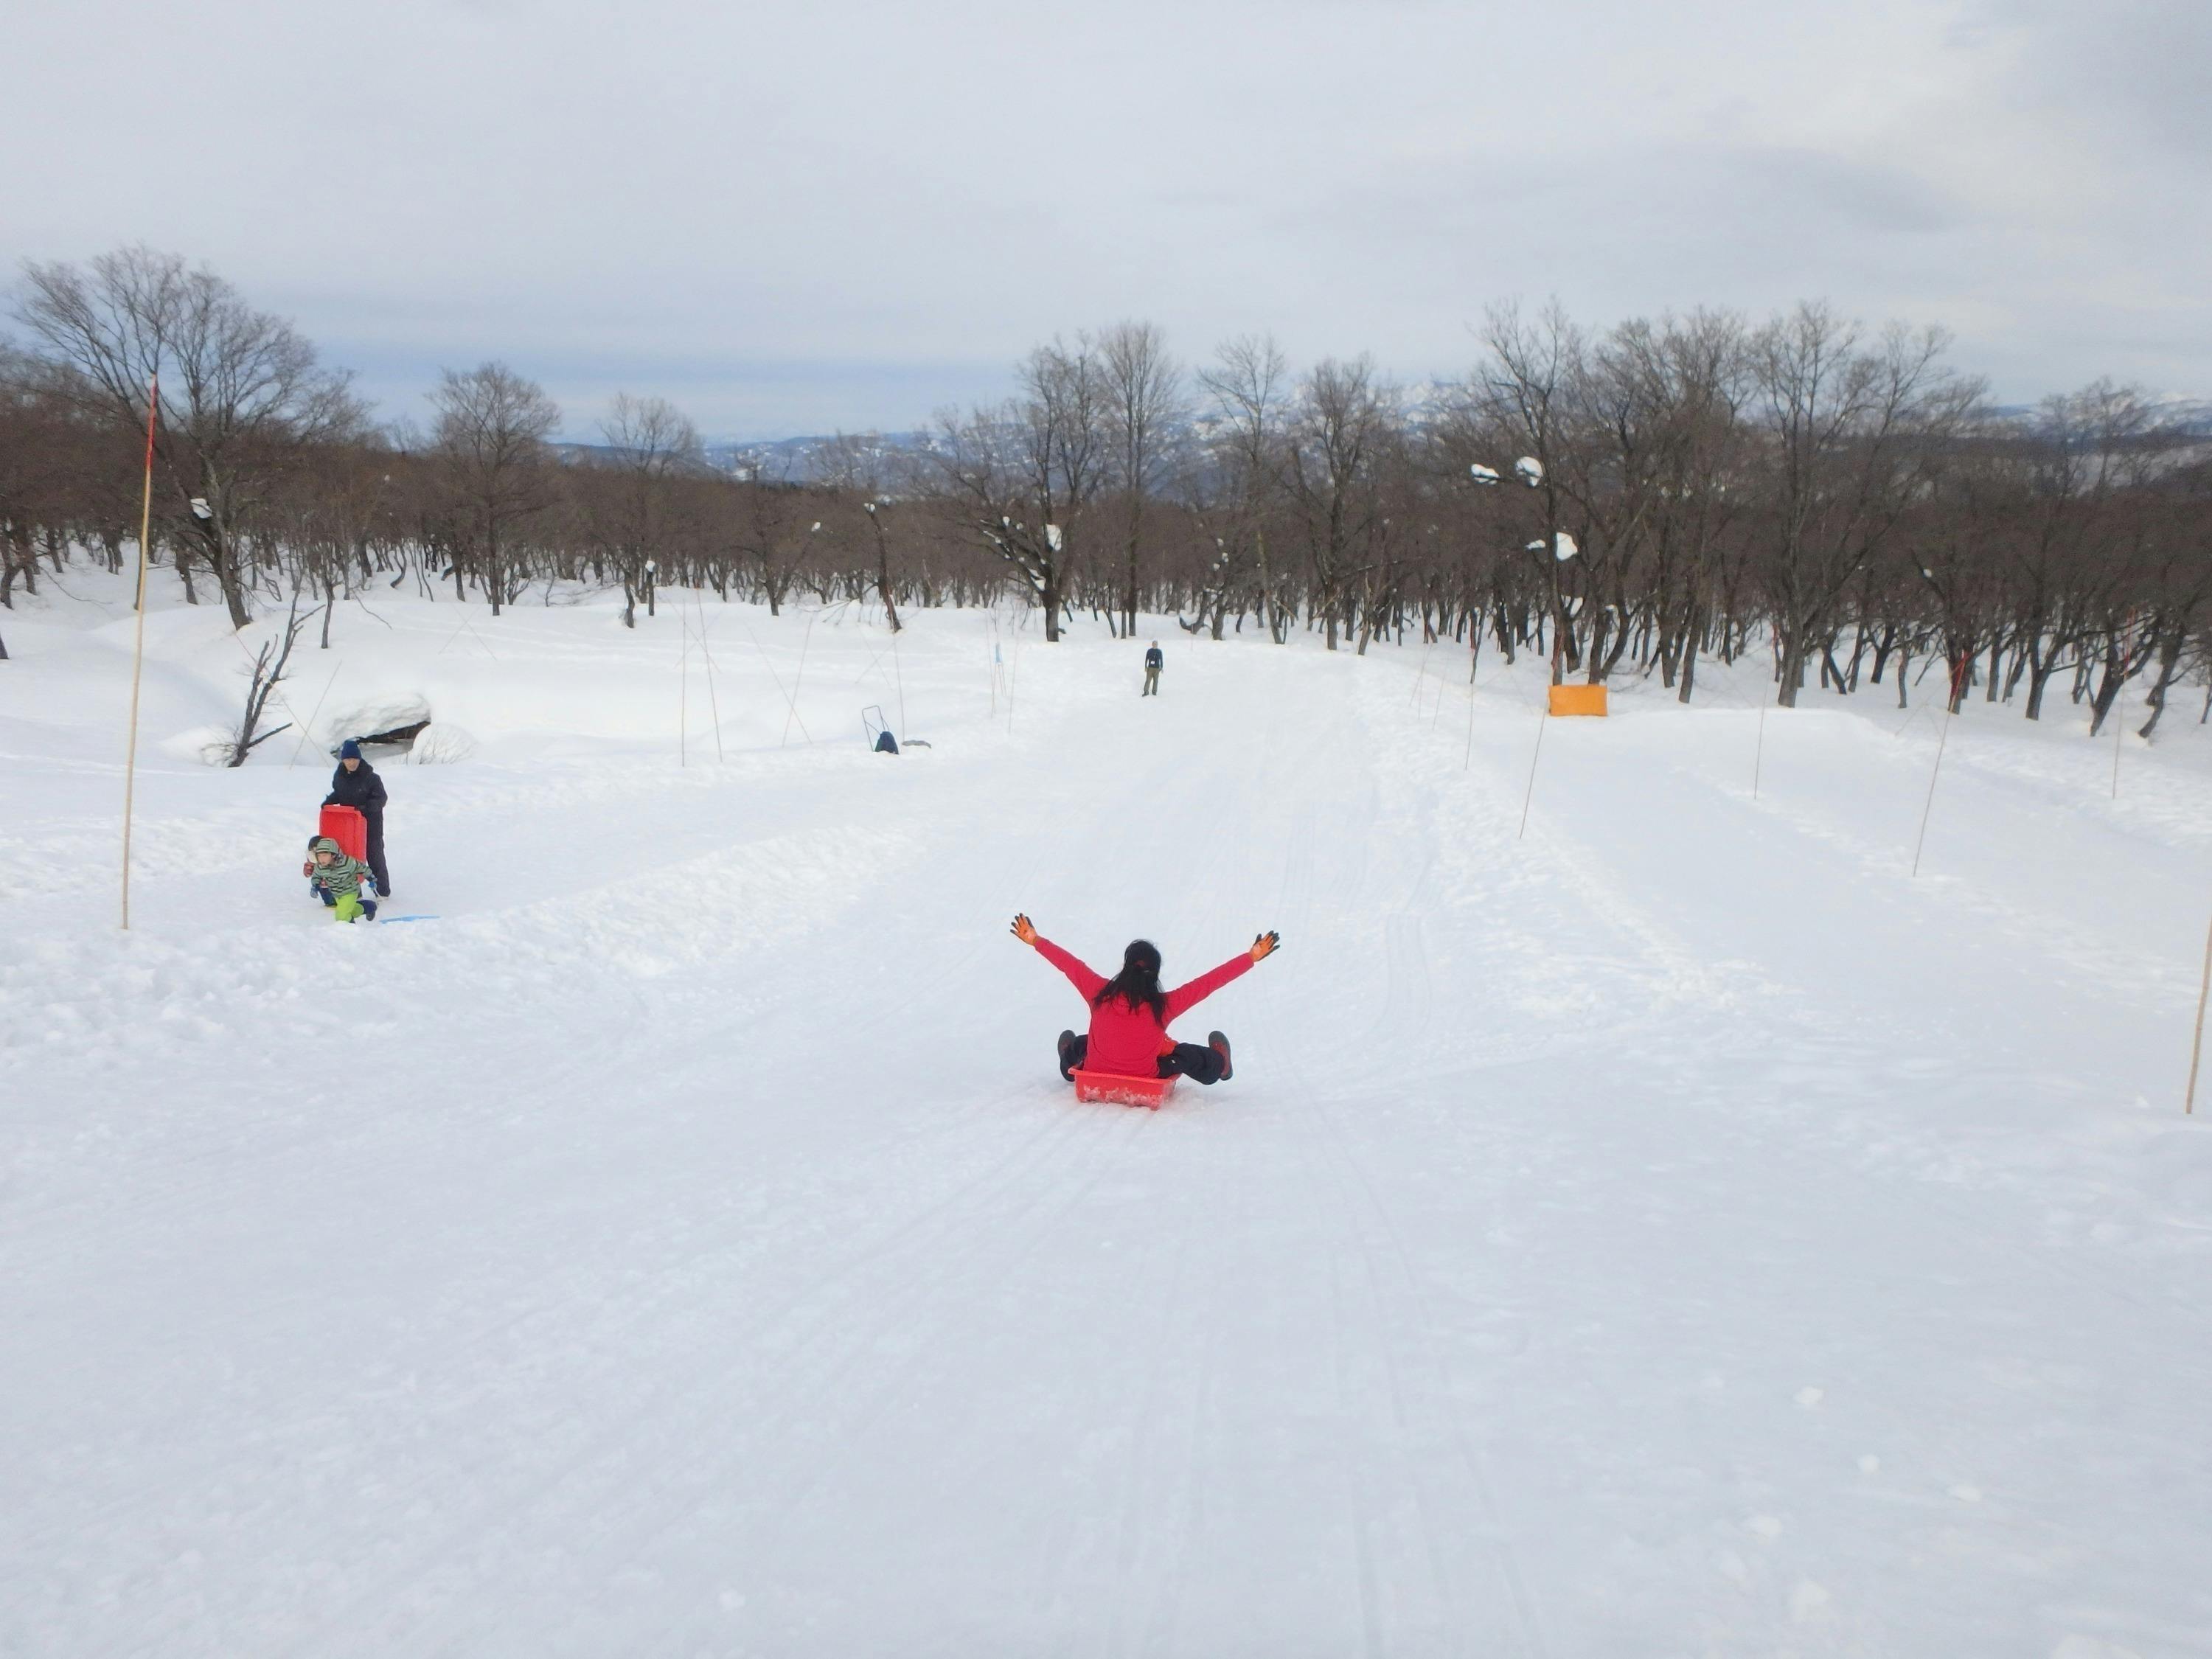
[(2197, 1042), (138, 645), (1542, 720), (1935, 772)]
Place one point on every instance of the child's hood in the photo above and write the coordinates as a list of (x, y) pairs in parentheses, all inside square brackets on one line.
[(325, 844)]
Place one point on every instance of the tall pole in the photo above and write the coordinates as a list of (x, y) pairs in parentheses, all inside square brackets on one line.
[(1530, 794), (707, 654), (898, 675), (2196, 1045), (139, 645), (1929, 805)]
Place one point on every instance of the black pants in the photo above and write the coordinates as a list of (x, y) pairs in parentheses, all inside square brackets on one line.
[(375, 858), (1195, 1060)]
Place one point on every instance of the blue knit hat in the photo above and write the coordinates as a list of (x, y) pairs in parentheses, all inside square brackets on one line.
[(349, 750)]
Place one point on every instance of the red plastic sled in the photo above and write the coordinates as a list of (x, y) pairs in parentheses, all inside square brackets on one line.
[(1123, 1091), (346, 826)]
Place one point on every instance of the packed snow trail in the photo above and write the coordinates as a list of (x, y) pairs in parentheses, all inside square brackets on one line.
[(1675, 1231)]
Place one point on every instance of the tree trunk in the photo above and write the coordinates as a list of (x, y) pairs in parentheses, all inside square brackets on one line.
[(225, 561), (2169, 658), (1792, 675), (2108, 688), (2039, 676)]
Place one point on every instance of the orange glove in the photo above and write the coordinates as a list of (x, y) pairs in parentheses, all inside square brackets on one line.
[(1023, 930), (1266, 945)]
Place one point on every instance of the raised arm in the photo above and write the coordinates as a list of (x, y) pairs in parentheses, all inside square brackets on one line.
[(1087, 982), (1184, 997)]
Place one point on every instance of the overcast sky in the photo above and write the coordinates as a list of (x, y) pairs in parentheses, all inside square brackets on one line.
[(820, 214)]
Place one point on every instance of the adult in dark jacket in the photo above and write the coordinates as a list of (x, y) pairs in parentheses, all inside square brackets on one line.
[(1153, 663), (355, 784)]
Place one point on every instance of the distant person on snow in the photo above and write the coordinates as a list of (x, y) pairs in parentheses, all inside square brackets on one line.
[(355, 784), (1153, 663), (338, 879), (1130, 1014)]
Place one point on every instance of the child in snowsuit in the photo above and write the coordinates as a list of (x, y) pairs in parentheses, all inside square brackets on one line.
[(1130, 1014), (340, 880)]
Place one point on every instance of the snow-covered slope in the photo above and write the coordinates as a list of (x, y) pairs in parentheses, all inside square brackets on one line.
[(1677, 1230)]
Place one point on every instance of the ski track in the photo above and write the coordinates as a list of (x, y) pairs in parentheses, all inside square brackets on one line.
[(1578, 1262)]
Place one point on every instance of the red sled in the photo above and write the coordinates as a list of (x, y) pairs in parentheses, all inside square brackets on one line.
[(346, 826), (1147, 1091)]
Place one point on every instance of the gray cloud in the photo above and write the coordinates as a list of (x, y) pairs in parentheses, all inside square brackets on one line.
[(849, 214)]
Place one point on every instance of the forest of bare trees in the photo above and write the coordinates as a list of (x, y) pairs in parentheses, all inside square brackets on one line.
[(1844, 503)]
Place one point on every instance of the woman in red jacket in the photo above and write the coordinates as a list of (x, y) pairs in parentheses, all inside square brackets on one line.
[(1130, 1014)]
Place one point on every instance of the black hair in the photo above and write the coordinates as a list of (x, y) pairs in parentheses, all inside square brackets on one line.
[(1138, 984)]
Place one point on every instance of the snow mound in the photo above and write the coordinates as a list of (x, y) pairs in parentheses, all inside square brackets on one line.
[(388, 713)]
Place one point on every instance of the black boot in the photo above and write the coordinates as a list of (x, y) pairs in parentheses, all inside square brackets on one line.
[(1219, 1044), (1067, 1042)]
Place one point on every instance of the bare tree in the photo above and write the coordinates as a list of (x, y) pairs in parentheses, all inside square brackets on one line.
[(241, 389), (855, 466), (267, 671), (1849, 431), (489, 442), (1527, 391), (1144, 399), (1328, 467), (653, 446), (1249, 383), (1024, 474)]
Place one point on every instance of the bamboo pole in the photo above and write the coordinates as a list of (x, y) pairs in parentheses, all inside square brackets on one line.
[(898, 677), (798, 680), (138, 645), (2197, 1042), (1543, 720), (1934, 773), (707, 655)]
